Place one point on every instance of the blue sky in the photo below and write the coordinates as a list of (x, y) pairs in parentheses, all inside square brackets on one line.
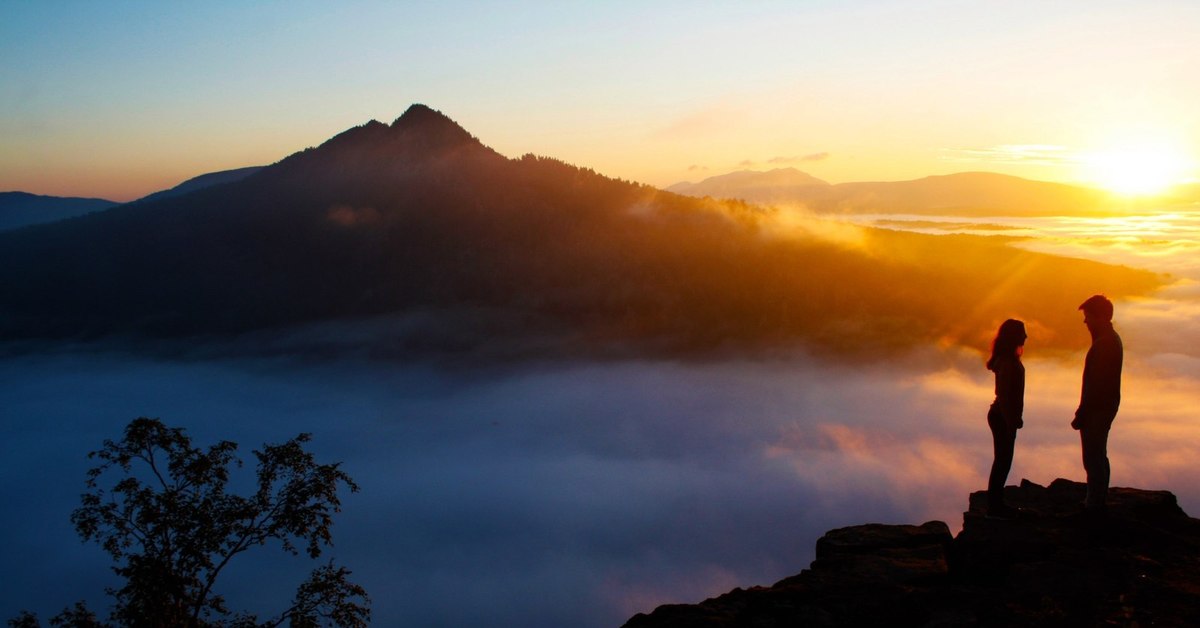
[(119, 99)]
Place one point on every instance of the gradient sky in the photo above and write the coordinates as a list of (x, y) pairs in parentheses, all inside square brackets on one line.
[(120, 99)]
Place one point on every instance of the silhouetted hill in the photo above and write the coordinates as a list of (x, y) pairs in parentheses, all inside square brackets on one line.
[(442, 244), (1139, 566), (966, 193), (201, 182), (781, 185), (19, 209)]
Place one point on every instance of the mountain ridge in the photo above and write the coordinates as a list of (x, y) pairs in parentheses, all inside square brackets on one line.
[(972, 193), (21, 209), (202, 181), (469, 250), (775, 176)]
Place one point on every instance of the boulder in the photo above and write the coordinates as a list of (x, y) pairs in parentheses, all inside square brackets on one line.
[(1053, 564)]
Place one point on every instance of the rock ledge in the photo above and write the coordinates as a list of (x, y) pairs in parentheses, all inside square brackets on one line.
[(1053, 565)]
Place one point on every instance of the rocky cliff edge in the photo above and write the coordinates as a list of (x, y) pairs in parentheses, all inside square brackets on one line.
[(1052, 565)]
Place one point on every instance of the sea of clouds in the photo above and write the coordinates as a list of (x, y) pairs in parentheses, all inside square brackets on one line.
[(579, 493)]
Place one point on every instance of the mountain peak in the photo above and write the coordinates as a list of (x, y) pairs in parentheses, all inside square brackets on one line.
[(418, 135), (433, 125), (418, 113), (419, 126)]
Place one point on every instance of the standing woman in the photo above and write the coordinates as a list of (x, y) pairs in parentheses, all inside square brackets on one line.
[(1004, 417)]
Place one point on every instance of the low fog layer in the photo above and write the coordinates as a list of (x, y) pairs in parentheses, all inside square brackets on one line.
[(574, 493), (578, 493), (1158, 323)]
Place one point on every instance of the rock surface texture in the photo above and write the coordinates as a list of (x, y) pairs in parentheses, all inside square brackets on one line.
[(1051, 565)]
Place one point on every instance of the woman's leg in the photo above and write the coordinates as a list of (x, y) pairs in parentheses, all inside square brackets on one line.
[(1003, 443)]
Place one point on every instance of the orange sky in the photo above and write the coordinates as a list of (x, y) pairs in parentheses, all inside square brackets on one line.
[(119, 102)]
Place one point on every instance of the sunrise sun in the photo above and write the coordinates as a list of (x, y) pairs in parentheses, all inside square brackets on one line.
[(1137, 169)]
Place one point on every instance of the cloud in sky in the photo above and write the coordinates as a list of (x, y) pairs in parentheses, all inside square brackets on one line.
[(558, 84), (701, 122), (812, 157), (1014, 154), (781, 160)]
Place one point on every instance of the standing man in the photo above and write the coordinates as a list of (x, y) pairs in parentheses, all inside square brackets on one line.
[(1100, 398)]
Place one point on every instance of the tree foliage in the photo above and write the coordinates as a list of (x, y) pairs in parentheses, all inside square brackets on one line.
[(162, 508)]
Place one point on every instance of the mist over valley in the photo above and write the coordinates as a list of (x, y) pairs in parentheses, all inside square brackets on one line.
[(568, 398)]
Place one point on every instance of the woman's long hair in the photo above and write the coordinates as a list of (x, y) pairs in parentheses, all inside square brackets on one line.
[(1007, 342)]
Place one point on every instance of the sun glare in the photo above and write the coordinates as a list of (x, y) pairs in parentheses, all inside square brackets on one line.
[(1141, 170)]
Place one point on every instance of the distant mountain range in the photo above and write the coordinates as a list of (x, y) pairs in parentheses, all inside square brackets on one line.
[(201, 182), (780, 185), (433, 242), (20, 209), (967, 193)]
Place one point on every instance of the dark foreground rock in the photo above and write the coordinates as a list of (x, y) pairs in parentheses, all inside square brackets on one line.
[(1053, 565)]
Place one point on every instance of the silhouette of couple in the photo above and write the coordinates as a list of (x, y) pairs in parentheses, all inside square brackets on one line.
[(1098, 402)]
